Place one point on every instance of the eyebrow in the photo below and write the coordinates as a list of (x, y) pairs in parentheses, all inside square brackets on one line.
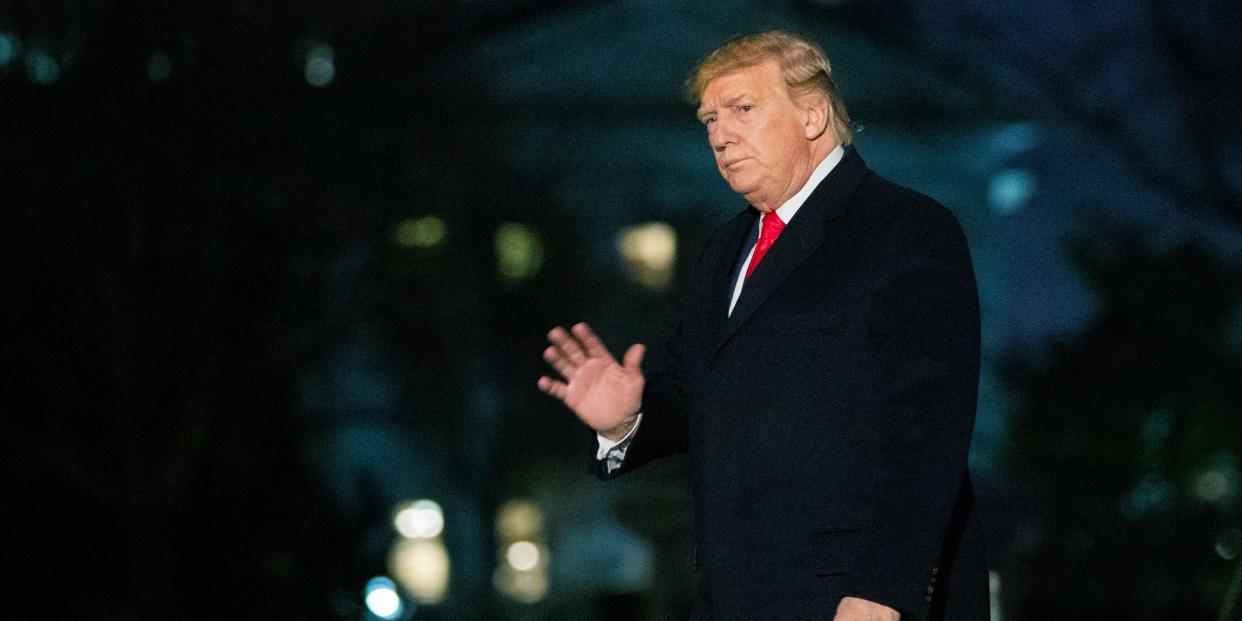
[(729, 103)]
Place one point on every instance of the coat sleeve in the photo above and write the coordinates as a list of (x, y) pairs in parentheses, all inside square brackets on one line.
[(663, 430), (923, 334)]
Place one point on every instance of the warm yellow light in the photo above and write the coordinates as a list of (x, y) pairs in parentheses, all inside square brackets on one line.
[(650, 253), (425, 232), (519, 251), (522, 574), (519, 519), (422, 568), (526, 587), (418, 519)]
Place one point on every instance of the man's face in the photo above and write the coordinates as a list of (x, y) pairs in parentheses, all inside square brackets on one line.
[(757, 134)]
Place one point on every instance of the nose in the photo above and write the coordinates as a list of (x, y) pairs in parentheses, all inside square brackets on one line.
[(721, 134)]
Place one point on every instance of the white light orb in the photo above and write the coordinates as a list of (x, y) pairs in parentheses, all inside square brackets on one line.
[(522, 555), (419, 519), (382, 599)]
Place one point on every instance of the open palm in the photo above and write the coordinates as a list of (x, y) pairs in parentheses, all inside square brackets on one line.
[(602, 392)]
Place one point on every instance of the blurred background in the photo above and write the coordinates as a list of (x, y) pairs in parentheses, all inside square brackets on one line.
[(278, 276)]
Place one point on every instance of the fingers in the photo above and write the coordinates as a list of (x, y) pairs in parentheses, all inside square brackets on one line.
[(568, 347), (634, 356), (553, 357), (594, 347), (553, 387)]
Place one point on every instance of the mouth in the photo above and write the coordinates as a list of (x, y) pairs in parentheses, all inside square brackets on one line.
[(731, 163)]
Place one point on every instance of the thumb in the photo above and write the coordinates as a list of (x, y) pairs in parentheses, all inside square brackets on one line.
[(634, 357)]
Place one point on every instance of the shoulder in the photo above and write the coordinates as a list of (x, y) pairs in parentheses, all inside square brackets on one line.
[(899, 217)]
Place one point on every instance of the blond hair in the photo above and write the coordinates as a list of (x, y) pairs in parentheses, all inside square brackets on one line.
[(804, 66)]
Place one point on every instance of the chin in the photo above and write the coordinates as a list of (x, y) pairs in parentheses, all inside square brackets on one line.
[(743, 188)]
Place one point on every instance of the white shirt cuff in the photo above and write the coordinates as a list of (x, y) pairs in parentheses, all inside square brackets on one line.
[(613, 453)]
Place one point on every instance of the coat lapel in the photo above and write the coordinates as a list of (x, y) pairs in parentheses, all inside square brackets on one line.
[(720, 272), (800, 239)]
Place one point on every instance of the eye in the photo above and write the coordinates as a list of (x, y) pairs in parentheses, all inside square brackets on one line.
[(745, 108), (708, 120)]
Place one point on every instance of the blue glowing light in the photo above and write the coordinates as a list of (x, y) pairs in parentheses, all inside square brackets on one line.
[(320, 65), (1010, 190), (382, 598), (1016, 138), (41, 67), (9, 48)]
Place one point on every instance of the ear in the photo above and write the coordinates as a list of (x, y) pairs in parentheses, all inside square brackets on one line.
[(816, 114)]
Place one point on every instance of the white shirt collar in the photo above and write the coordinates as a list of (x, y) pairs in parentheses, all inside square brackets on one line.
[(786, 211)]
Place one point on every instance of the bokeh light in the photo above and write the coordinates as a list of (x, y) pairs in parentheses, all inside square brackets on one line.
[(1229, 544), (1010, 190), (422, 568), (650, 252), (527, 587), (522, 574), (519, 251), (10, 47), (320, 68), (419, 519), (41, 67), (1016, 138), (382, 599), (424, 232), (519, 519), (1151, 494), (522, 555)]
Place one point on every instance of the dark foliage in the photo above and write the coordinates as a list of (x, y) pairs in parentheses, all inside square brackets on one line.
[(1129, 435)]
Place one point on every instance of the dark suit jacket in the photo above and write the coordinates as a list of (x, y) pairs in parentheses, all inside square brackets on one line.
[(827, 421)]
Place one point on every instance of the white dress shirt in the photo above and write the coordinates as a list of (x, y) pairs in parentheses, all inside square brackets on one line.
[(614, 452)]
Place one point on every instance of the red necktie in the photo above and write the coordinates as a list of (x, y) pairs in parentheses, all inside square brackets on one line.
[(772, 227)]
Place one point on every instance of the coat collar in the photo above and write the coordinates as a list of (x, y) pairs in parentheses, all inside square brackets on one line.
[(801, 237)]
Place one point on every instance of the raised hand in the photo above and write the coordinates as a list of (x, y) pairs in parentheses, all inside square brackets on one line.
[(858, 609), (605, 394)]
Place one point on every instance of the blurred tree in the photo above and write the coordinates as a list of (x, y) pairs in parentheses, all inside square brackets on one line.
[(1129, 436), (175, 241), (157, 442), (1151, 80)]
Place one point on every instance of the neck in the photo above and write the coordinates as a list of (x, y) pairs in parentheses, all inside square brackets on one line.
[(820, 148)]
